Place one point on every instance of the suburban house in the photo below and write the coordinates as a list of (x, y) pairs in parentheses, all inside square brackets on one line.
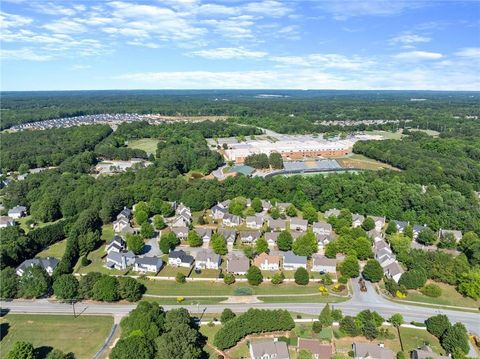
[(205, 234), (218, 211), (298, 224), (6, 221), (319, 351), (180, 221), (332, 213), (322, 240), (125, 213), (266, 205), (231, 220), (148, 264), (282, 206), (394, 271), (292, 262), (119, 260), (49, 264), (250, 236), (375, 235), (277, 224), (401, 226), (254, 222), (371, 351), (323, 264), (357, 220), (425, 352), (180, 259), (269, 349), (322, 228), (180, 232), (266, 261), (183, 216), (207, 259), (116, 244), (271, 238), (230, 235), (379, 222), (121, 225), (456, 234), (417, 229), (237, 263), (17, 212)]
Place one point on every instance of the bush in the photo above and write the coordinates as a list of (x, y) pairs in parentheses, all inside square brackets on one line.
[(317, 327), (229, 278), (413, 279), (243, 291), (343, 279), (227, 315), (437, 325), (278, 278), (301, 276), (431, 290), (180, 278), (85, 261), (327, 279), (254, 275)]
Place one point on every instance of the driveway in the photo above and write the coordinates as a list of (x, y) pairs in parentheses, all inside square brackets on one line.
[(152, 249)]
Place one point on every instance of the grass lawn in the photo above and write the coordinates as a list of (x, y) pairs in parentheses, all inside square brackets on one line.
[(210, 332), (107, 232), (23, 223), (187, 301), (55, 250), (169, 271), (386, 134), (344, 344), (303, 299), (83, 335), (362, 162), (239, 351), (414, 338), (148, 145), (205, 273), (97, 263), (428, 132), (449, 297), (304, 330)]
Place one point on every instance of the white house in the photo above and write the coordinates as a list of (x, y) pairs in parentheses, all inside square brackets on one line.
[(272, 238), (456, 234), (357, 220), (116, 244), (180, 232), (125, 213), (180, 259), (119, 260), (379, 222), (205, 234), (17, 212), (332, 213), (148, 264), (323, 264), (393, 271), (298, 224), (6, 221), (277, 224), (237, 263), (254, 222), (120, 224), (231, 220), (322, 228), (249, 236), (49, 264), (266, 261), (269, 349), (207, 259), (371, 351)]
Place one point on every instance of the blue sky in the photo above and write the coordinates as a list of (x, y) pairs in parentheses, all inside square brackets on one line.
[(195, 44)]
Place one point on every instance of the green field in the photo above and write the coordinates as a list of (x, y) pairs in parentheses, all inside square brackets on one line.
[(303, 299), (386, 134), (83, 335), (186, 301), (449, 297), (55, 250), (414, 338), (362, 162), (23, 223), (148, 145)]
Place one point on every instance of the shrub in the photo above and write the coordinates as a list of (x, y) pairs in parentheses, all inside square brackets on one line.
[(180, 278), (317, 327), (301, 276), (254, 276), (438, 325), (343, 279), (227, 315), (229, 278), (413, 279), (431, 290), (85, 261), (278, 278)]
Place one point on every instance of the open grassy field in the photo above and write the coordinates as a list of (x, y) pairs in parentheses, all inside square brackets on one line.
[(186, 301), (414, 338), (428, 132), (303, 299), (97, 263), (55, 250), (209, 332), (148, 145), (83, 335), (362, 162), (449, 297), (23, 223), (386, 134)]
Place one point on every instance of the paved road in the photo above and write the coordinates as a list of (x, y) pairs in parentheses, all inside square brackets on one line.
[(360, 301)]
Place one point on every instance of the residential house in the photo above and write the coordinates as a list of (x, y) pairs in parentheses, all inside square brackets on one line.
[(375, 235), (322, 228), (183, 216), (401, 226), (180, 259), (237, 263), (292, 262), (254, 222), (332, 213), (298, 224), (394, 271), (371, 351), (272, 238), (125, 213), (148, 264), (277, 224), (282, 206), (119, 260), (456, 234), (318, 351), (425, 352), (379, 222), (116, 244), (231, 220), (219, 211), (230, 235), (17, 212), (180, 221), (323, 264), (266, 205), (417, 229), (49, 264), (296, 234), (266, 261), (6, 221), (357, 220), (180, 232), (250, 236), (207, 259), (121, 224), (205, 234), (323, 240), (269, 349)]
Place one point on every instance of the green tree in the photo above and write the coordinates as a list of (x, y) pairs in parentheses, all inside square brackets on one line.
[(291, 211), (140, 217), (87, 281), (180, 277), (257, 205), (254, 275), (148, 318), (396, 320), (261, 246), (372, 271), (182, 341), (350, 267), (305, 245), (275, 213), (310, 213), (106, 289), (229, 278), (455, 337), (168, 241), (317, 327), (349, 326), (437, 325), (227, 315), (135, 346), (66, 287), (325, 317), (135, 243), (276, 160), (130, 289), (219, 244), (469, 284), (142, 207), (408, 231), (194, 240), (278, 278), (337, 315), (413, 279), (159, 222), (9, 283), (21, 350), (301, 276), (363, 248), (284, 241), (369, 330), (34, 283), (58, 354), (391, 228), (147, 231), (87, 242), (427, 237), (368, 224), (167, 210)]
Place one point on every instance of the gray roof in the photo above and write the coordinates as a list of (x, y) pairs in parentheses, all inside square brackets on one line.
[(219, 208), (232, 218), (228, 234), (323, 238), (17, 209), (456, 234), (274, 349), (253, 234), (237, 263), (184, 257), (42, 262), (357, 217), (298, 222), (426, 352), (256, 219), (149, 261), (393, 269), (401, 225), (179, 230), (322, 225), (290, 257), (320, 260), (202, 232), (332, 212), (206, 254), (272, 236), (277, 223), (126, 212), (6, 220), (372, 350), (418, 228)]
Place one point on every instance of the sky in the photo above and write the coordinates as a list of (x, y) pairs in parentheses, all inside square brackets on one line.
[(269, 44)]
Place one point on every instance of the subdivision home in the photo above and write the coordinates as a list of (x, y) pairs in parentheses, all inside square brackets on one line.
[(456, 234), (332, 213), (250, 236), (237, 263), (148, 264), (323, 264), (6, 221), (357, 220), (371, 351), (231, 220), (322, 228), (277, 224), (254, 222), (266, 261), (180, 232), (297, 224), (219, 211), (205, 234), (17, 212), (180, 259), (269, 349), (379, 222), (207, 259), (49, 264), (318, 350), (425, 352), (292, 262), (119, 260), (271, 238)]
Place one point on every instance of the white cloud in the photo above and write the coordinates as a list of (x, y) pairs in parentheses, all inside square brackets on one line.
[(409, 39), (473, 52), (418, 55), (65, 26), (225, 53), (344, 9), (8, 20), (23, 54), (268, 8), (55, 9), (334, 61)]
